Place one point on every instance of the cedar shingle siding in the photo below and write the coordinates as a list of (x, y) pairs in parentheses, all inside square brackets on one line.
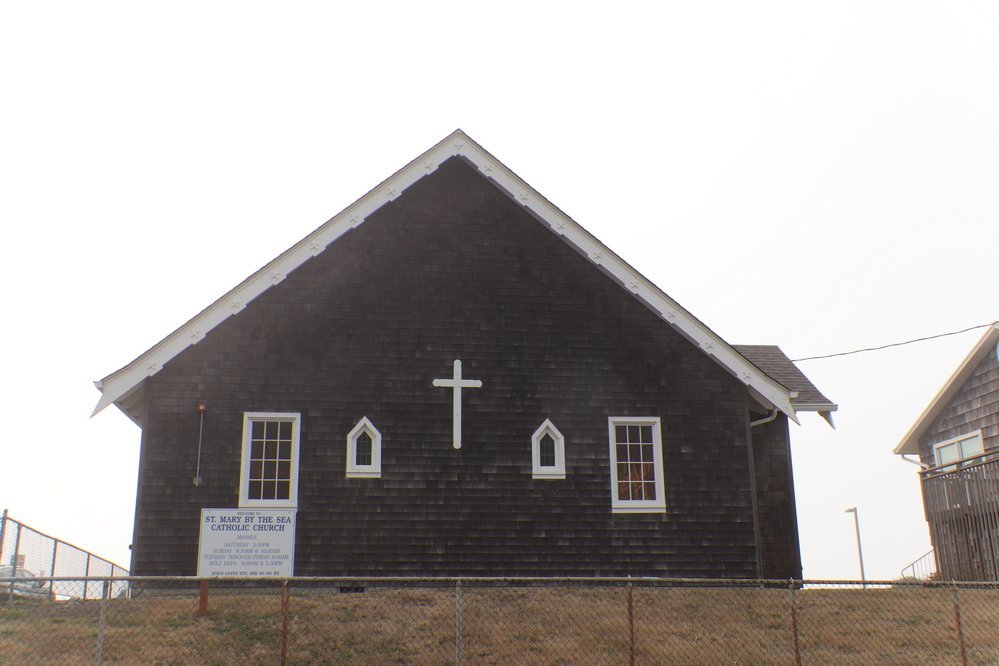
[(454, 269), (975, 406), (779, 554)]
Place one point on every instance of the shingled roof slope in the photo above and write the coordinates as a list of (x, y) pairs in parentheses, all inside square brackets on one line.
[(775, 363)]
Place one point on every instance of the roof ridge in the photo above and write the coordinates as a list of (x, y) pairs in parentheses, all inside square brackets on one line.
[(119, 385)]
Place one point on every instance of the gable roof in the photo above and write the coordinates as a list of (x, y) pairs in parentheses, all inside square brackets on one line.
[(804, 396), (987, 344), (123, 387)]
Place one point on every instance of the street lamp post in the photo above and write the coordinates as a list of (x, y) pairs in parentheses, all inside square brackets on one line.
[(860, 551)]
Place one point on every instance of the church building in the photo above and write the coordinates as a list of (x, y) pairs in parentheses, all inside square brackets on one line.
[(453, 378)]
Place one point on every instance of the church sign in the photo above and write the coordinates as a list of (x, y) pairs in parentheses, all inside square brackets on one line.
[(247, 542)]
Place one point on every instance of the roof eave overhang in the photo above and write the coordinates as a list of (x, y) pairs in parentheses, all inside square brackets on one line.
[(824, 409), (816, 407), (121, 382)]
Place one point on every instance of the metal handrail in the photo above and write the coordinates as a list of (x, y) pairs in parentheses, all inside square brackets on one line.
[(926, 562)]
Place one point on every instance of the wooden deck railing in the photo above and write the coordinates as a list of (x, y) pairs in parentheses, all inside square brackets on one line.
[(962, 508)]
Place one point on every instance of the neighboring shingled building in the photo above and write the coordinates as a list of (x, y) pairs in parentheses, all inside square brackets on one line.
[(451, 377), (957, 441)]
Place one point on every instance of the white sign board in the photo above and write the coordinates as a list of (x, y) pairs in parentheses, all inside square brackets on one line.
[(247, 542)]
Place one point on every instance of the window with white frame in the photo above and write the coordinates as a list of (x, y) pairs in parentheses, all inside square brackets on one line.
[(957, 449), (364, 451), (269, 471), (548, 452), (636, 457)]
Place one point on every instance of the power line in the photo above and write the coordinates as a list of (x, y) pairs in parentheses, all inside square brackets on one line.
[(896, 344)]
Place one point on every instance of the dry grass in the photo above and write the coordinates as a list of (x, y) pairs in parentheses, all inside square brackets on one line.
[(565, 625)]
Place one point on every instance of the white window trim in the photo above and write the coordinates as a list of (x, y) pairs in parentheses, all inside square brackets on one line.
[(558, 471), (374, 470), (957, 440), (244, 470), (618, 505)]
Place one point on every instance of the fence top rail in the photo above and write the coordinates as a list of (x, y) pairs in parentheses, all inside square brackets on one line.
[(61, 541), (511, 580)]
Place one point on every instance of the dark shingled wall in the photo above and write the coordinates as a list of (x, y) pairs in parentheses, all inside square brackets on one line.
[(779, 554), (455, 269)]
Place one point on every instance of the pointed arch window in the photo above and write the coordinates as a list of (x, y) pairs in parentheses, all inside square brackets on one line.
[(364, 451), (548, 452)]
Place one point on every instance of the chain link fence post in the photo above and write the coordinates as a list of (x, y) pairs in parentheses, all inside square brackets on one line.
[(794, 622), (631, 625), (203, 598), (13, 563), (960, 628), (86, 575), (3, 533), (457, 622), (285, 594), (101, 622), (52, 573)]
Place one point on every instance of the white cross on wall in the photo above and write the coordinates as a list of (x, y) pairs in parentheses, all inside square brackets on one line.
[(457, 383)]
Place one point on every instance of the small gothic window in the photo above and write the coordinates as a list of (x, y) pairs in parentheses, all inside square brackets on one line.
[(548, 452), (364, 451)]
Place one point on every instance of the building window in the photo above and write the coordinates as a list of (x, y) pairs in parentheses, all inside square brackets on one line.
[(269, 472), (364, 451), (636, 465), (958, 449), (548, 452)]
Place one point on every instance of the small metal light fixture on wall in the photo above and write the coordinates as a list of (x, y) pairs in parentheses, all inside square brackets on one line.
[(201, 429)]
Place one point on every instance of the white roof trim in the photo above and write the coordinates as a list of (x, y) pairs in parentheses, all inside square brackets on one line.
[(815, 407), (119, 383), (910, 443)]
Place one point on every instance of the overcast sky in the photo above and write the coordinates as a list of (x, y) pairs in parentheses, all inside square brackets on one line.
[(821, 177)]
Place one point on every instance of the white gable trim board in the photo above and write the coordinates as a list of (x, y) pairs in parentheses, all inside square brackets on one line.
[(119, 385)]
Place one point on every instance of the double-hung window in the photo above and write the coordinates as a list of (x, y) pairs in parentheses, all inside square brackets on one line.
[(269, 472), (636, 465)]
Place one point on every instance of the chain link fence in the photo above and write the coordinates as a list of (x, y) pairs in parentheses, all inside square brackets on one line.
[(30, 560), (499, 621)]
